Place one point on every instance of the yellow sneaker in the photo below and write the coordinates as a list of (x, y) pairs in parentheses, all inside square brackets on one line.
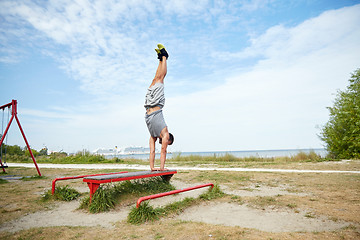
[(163, 51), (158, 53)]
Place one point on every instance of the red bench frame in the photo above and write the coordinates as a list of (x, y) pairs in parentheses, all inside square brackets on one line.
[(95, 181), (76, 177), (170, 193)]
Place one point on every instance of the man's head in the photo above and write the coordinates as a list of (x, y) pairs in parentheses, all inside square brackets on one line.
[(171, 139)]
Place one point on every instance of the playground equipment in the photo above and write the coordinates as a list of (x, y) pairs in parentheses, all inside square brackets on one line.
[(171, 193), (76, 177), (13, 108), (95, 181)]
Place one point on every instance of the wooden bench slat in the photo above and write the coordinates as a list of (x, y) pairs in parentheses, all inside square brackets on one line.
[(120, 176), (95, 181)]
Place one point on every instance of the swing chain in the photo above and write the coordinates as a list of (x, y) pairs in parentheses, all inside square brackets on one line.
[(3, 153)]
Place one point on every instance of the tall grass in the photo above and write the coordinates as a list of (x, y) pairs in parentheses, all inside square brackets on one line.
[(65, 193), (2, 181), (177, 159), (145, 213), (103, 199), (78, 158), (229, 158)]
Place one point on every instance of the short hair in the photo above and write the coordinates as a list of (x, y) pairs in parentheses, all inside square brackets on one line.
[(171, 139)]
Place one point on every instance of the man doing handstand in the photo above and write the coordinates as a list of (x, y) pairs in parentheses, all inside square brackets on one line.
[(154, 102)]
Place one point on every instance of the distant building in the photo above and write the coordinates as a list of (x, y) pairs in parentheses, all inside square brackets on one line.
[(135, 150), (122, 151), (105, 152)]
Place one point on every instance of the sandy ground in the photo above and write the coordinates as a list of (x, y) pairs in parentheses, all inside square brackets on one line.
[(230, 214), (222, 213)]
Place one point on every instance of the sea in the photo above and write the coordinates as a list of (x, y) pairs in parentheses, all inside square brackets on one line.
[(253, 153)]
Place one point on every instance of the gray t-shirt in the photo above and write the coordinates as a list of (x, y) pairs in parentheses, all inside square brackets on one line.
[(155, 96), (155, 122)]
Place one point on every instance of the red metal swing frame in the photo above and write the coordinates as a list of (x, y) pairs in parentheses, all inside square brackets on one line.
[(13, 106)]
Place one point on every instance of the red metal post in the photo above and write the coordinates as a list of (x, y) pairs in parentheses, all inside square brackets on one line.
[(93, 187), (13, 106), (28, 146), (76, 177), (171, 193)]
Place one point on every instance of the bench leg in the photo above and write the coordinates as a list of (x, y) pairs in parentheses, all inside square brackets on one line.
[(166, 178), (93, 187)]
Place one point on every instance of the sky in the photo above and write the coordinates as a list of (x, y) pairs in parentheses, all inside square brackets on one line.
[(242, 75)]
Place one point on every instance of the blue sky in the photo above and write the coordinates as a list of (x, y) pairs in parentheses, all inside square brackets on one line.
[(242, 75)]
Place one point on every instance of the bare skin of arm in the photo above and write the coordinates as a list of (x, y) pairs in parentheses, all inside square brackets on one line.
[(152, 153), (165, 142)]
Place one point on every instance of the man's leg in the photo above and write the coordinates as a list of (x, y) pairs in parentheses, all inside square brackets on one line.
[(162, 68), (161, 71)]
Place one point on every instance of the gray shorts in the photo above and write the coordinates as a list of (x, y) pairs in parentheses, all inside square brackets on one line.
[(155, 122)]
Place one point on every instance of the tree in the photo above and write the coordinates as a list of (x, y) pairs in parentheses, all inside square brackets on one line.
[(341, 133), (13, 150), (43, 152)]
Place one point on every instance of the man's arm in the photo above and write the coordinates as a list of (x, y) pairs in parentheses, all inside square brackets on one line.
[(164, 145), (152, 153)]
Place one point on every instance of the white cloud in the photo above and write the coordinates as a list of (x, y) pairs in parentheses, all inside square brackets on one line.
[(283, 97), (105, 46)]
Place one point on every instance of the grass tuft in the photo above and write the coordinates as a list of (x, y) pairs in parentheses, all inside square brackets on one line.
[(61, 193), (144, 213), (103, 199), (36, 177), (177, 207), (212, 193), (2, 181)]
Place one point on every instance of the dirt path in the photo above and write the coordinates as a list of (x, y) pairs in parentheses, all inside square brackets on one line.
[(220, 213), (229, 213)]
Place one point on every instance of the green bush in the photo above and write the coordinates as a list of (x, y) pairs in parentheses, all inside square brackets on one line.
[(62, 193), (144, 213), (103, 199), (341, 133), (212, 193)]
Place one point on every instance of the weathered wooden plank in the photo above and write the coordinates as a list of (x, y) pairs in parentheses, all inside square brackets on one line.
[(140, 174)]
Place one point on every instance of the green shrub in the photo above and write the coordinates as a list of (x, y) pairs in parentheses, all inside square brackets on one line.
[(103, 199), (62, 193), (341, 133), (212, 193), (144, 213), (2, 181)]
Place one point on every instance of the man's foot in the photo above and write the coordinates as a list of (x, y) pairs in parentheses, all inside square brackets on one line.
[(159, 54), (163, 51)]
